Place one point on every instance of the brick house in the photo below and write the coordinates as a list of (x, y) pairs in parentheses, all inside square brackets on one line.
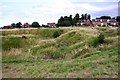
[(106, 22), (82, 22), (51, 25), (7, 27), (102, 22), (86, 22), (113, 22), (26, 25), (98, 22)]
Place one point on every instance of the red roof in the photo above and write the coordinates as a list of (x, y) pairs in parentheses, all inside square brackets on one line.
[(7, 27), (51, 24)]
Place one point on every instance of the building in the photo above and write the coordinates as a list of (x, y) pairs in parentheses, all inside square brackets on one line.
[(98, 22), (86, 22), (106, 22), (51, 25), (113, 22), (102, 22), (26, 25), (7, 27), (82, 22)]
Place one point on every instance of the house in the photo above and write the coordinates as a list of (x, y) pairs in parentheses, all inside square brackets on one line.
[(93, 22), (26, 25), (113, 22), (8, 27), (86, 22), (102, 22), (51, 25), (106, 22), (82, 22), (98, 22)]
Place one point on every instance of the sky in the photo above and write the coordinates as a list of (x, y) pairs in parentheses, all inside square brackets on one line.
[(48, 11)]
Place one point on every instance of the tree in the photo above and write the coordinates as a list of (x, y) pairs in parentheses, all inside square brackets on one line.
[(118, 19), (13, 25), (45, 26), (105, 17), (35, 25), (75, 19), (113, 18), (71, 20), (61, 21), (89, 17), (85, 16), (65, 21), (82, 16), (19, 25)]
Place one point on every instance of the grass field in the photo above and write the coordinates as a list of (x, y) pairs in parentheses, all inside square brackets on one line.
[(60, 53)]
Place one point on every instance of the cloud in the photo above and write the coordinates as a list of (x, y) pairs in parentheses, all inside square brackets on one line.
[(94, 1), (45, 11)]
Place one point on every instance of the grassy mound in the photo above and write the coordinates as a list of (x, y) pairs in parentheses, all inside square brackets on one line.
[(12, 42), (49, 33), (62, 46), (61, 53), (69, 44)]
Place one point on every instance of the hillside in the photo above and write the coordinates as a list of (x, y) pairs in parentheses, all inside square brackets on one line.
[(60, 52)]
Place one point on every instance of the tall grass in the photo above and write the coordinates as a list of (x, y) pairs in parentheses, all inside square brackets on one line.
[(49, 33), (72, 53), (66, 44), (63, 43), (13, 42)]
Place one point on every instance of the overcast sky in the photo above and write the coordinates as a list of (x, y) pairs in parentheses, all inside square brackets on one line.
[(43, 11)]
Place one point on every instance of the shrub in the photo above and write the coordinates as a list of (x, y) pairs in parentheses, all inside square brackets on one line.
[(24, 37), (96, 41), (49, 33), (57, 33), (13, 42), (101, 38)]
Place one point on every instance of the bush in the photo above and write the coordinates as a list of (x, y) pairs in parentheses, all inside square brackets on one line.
[(24, 37), (49, 33), (13, 42), (101, 38), (57, 33), (96, 41)]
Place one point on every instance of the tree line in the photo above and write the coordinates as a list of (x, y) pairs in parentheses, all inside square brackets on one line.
[(66, 21), (69, 21), (19, 25)]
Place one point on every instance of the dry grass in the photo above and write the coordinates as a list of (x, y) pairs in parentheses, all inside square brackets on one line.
[(69, 55)]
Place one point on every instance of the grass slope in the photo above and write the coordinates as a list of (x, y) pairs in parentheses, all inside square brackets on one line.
[(64, 52)]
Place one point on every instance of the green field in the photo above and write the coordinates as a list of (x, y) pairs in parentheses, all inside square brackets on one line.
[(60, 53)]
